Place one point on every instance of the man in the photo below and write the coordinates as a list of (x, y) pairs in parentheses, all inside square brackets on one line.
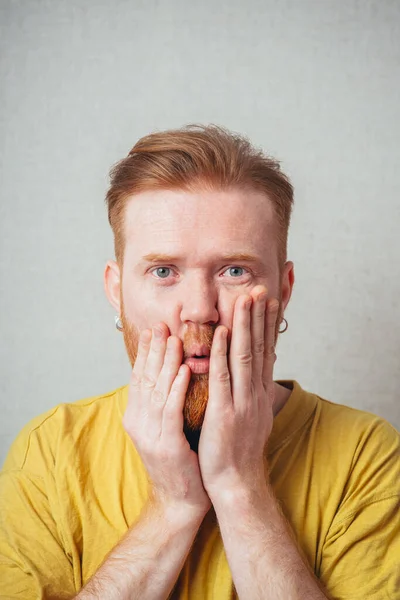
[(203, 478)]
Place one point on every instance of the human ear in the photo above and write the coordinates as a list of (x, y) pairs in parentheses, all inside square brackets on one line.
[(287, 283), (112, 285)]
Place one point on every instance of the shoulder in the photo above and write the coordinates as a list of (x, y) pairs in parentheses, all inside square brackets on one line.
[(365, 449), (43, 434), (357, 428)]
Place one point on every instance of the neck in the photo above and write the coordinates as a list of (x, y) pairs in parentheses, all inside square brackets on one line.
[(282, 395)]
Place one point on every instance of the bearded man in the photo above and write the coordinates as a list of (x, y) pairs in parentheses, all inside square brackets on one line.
[(202, 478)]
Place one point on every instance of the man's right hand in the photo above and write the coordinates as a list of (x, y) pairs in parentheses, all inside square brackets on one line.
[(154, 421), (147, 561)]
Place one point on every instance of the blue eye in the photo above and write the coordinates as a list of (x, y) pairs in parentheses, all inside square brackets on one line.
[(236, 271), (162, 272)]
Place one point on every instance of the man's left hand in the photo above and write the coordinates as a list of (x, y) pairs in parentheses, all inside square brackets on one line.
[(239, 415)]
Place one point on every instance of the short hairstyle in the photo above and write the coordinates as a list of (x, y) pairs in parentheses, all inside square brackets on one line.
[(192, 158)]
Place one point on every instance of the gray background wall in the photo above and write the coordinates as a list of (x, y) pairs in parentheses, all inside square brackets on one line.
[(316, 83)]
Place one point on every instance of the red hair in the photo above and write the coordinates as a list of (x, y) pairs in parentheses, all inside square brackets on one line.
[(192, 158)]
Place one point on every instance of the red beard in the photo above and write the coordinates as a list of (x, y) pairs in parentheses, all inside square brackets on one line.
[(197, 393)]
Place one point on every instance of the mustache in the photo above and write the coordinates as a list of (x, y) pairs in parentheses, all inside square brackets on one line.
[(197, 336)]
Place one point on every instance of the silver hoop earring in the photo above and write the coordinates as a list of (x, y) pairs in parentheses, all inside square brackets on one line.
[(118, 323), (286, 326)]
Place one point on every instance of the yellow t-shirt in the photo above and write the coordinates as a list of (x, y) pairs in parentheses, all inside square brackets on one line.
[(73, 483)]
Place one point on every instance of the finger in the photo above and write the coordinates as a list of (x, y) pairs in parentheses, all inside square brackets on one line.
[(172, 422), (219, 378), (142, 352), (170, 368), (257, 334), (269, 350), (155, 357), (134, 395), (240, 354)]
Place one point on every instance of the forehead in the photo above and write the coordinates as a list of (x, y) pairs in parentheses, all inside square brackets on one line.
[(199, 223)]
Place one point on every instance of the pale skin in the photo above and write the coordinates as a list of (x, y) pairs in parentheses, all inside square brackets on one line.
[(229, 470)]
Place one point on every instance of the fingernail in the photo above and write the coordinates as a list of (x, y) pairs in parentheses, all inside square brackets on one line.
[(247, 304), (157, 332)]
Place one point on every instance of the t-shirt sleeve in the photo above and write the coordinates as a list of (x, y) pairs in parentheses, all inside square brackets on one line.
[(361, 554), (33, 563), (362, 557)]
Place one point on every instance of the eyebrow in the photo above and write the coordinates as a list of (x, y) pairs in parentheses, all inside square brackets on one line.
[(237, 257)]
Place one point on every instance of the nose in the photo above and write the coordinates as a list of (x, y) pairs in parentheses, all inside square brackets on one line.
[(199, 302)]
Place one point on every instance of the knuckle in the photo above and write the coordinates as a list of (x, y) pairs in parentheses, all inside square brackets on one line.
[(224, 376), (135, 379), (158, 397), (156, 350), (245, 358), (144, 344), (260, 314), (148, 382), (259, 347)]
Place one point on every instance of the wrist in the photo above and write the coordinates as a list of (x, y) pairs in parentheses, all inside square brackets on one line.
[(177, 513), (241, 487), (242, 497)]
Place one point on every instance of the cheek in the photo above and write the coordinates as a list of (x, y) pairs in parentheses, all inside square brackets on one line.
[(157, 310), (226, 307), (144, 309), (136, 304)]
